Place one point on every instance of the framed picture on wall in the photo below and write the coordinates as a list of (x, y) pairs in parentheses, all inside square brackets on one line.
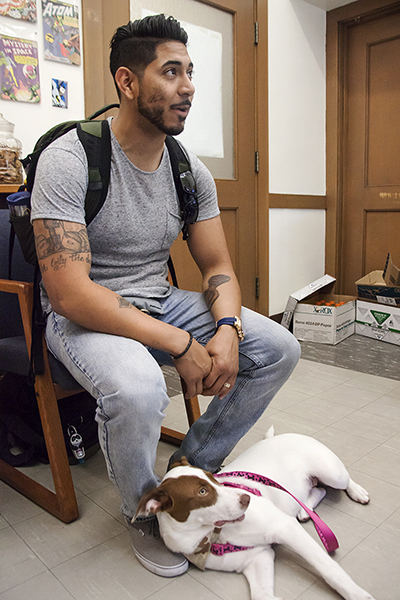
[(59, 93), (19, 70), (61, 32), (19, 9)]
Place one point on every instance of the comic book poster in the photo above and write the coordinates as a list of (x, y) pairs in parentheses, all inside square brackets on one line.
[(59, 93), (19, 9), (61, 32), (19, 70)]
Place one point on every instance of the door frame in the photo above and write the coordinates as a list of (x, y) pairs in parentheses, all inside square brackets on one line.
[(99, 21), (338, 23)]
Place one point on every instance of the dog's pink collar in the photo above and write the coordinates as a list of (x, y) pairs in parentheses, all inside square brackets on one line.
[(327, 536)]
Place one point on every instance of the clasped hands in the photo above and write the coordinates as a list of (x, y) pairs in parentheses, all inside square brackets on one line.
[(211, 370)]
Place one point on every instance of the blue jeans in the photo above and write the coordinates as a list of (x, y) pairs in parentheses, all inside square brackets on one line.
[(125, 378)]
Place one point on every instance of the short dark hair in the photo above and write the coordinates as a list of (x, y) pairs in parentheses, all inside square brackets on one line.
[(135, 45)]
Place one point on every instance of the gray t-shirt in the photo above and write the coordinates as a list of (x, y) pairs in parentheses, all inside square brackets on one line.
[(131, 236)]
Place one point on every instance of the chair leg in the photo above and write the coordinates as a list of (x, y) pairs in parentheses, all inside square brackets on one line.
[(192, 409), (67, 508), (193, 413), (62, 504)]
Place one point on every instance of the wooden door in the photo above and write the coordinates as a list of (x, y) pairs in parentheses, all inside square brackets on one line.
[(236, 189), (371, 157)]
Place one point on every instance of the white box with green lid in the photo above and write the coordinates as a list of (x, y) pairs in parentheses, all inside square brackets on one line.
[(377, 321)]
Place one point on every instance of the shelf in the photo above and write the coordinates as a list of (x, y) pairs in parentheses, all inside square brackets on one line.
[(5, 189)]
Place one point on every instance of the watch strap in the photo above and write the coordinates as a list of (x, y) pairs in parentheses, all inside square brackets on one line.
[(227, 321)]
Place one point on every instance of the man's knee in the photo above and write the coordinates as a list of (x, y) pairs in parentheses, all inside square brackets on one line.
[(269, 342)]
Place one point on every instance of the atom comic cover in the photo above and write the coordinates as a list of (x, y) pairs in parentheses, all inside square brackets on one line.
[(19, 9), (61, 32), (19, 70)]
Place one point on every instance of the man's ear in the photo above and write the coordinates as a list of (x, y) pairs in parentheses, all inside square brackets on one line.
[(127, 82), (154, 501)]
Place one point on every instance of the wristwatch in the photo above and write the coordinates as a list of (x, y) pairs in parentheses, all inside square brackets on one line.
[(233, 322)]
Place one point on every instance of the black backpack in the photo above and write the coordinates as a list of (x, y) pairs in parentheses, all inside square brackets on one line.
[(21, 428)]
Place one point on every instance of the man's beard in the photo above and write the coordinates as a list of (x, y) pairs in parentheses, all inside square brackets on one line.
[(155, 115)]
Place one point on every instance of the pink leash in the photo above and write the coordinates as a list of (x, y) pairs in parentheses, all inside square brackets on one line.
[(327, 536)]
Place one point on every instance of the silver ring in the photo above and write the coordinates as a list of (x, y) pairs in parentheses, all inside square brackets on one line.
[(227, 385)]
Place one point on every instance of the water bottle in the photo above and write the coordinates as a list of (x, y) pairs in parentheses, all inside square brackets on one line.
[(19, 204)]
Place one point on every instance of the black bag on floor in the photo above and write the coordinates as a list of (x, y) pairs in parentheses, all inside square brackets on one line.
[(20, 426)]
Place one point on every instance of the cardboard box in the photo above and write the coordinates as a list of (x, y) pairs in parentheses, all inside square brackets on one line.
[(378, 322), (381, 286), (314, 322), (326, 282)]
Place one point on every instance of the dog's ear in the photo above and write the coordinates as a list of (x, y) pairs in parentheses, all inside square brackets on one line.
[(182, 462), (154, 501)]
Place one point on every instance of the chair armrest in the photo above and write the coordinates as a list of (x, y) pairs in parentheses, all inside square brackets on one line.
[(14, 287), (24, 291)]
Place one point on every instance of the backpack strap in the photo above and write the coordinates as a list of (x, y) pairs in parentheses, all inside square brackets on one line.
[(11, 241), (95, 138), (179, 163), (36, 365), (101, 111), (179, 159)]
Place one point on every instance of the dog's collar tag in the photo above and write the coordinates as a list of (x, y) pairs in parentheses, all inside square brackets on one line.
[(200, 554), (327, 536)]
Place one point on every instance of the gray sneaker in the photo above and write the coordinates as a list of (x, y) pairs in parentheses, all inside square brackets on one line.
[(151, 551)]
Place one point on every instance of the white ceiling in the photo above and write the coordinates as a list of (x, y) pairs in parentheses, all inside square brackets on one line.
[(329, 4)]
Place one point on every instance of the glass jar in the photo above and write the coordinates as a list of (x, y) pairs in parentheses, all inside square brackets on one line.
[(10, 152)]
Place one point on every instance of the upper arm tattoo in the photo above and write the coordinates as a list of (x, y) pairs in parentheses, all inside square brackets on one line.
[(59, 240), (211, 294)]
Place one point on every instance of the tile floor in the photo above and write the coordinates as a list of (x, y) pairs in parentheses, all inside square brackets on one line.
[(356, 414)]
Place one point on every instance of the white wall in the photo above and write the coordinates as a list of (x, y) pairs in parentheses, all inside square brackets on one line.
[(296, 47), (297, 254), (31, 120)]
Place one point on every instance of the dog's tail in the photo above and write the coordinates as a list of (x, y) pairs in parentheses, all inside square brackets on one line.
[(270, 433)]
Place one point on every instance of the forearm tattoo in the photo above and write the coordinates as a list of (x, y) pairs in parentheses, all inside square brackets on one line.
[(67, 244), (211, 294), (123, 303)]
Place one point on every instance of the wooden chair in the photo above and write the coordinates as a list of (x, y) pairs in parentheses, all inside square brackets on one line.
[(54, 384)]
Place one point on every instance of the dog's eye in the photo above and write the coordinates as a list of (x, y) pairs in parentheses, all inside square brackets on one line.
[(203, 491)]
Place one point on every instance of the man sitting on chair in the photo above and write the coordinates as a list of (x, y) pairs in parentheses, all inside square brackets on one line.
[(97, 278)]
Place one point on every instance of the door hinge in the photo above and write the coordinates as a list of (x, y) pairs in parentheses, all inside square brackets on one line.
[(257, 287), (256, 33), (257, 162)]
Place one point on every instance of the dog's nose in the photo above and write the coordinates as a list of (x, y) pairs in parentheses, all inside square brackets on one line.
[(244, 500)]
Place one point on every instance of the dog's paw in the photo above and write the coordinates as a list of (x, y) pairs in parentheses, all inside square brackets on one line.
[(303, 516), (357, 493)]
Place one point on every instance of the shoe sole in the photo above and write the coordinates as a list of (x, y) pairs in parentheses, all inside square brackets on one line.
[(173, 571)]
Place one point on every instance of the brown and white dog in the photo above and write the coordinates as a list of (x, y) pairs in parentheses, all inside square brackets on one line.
[(193, 507)]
